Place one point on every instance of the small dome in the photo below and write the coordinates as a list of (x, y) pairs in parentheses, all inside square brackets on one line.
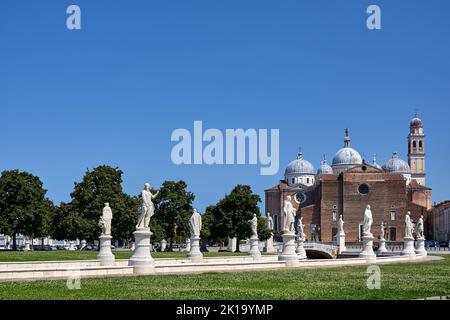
[(299, 166), (416, 121), (396, 165), (374, 162), (325, 168)]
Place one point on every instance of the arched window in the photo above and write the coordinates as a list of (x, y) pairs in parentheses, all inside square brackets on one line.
[(420, 144), (307, 180), (414, 144)]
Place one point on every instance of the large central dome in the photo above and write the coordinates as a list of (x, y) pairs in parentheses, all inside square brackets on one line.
[(346, 157)]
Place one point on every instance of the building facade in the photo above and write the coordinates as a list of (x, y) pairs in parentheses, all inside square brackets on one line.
[(348, 185), (440, 221)]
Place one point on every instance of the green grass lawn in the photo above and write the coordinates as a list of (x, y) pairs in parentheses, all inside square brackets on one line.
[(400, 281), (10, 256)]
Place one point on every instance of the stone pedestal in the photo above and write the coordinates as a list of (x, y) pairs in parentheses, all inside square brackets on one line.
[(367, 252), (408, 247), (341, 242), (254, 248), (72, 246), (382, 247), (141, 259), (133, 246), (195, 254), (288, 254), (27, 245), (301, 253), (163, 245), (232, 244), (105, 255), (188, 245), (268, 247), (420, 247)]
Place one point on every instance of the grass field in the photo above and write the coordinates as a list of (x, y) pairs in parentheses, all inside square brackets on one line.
[(10, 256), (401, 281)]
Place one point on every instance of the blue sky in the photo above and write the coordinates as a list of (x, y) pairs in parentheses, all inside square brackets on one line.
[(113, 92)]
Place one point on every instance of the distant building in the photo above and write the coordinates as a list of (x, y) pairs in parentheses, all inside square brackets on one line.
[(349, 184), (440, 221)]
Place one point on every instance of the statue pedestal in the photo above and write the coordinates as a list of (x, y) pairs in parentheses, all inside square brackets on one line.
[(288, 254), (27, 246), (141, 259), (105, 255), (408, 247), (367, 252), (72, 246), (382, 248), (301, 253), (420, 248), (232, 244), (195, 254), (188, 245), (341, 243), (269, 245), (254, 248)]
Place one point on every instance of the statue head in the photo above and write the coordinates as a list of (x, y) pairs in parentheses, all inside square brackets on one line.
[(254, 215), (408, 213), (368, 207), (106, 204), (288, 198), (147, 186), (268, 214)]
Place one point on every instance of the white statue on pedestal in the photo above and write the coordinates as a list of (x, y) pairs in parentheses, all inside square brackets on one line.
[(408, 226), (420, 229), (147, 210), (289, 216), (254, 226), (269, 221), (105, 220), (382, 232), (300, 229), (367, 222), (195, 224), (341, 226)]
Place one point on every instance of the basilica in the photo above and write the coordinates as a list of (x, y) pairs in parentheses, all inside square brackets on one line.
[(348, 185)]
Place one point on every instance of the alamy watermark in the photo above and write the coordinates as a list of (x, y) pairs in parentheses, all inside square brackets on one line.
[(235, 146), (73, 279), (374, 279)]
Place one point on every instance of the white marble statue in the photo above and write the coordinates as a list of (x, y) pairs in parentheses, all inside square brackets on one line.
[(340, 225), (382, 232), (105, 220), (367, 222), (147, 209), (289, 216), (300, 229), (408, 226), (420, 229), (269, 221), (195, 224), (254, 226)]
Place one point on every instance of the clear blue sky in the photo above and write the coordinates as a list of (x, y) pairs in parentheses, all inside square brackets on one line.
[(113, 92)]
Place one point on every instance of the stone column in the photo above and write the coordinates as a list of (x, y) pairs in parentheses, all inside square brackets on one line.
[(268, 247), (195, 254), (301, 253), (408, 247), (27, 245), (141, 260), (367, 252), (231, 244), (254, 248), (420, 248), (105, 255), (188, 245), (288, 254), (72, 245), (341, 242)]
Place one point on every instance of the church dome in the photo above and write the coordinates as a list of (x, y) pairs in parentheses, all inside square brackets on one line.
[(374, 163), (299, 166), (396, 165), (416, 122), (347, 155), (325, 168)]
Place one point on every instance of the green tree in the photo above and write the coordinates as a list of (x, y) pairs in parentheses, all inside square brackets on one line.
[(173, 205), (24, 208), (79, 218), (231, 215)]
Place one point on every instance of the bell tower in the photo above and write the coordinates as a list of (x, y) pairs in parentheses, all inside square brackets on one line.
[(416, 150)]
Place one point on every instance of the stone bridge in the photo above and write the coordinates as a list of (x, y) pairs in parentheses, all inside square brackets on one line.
[(317, 250)]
